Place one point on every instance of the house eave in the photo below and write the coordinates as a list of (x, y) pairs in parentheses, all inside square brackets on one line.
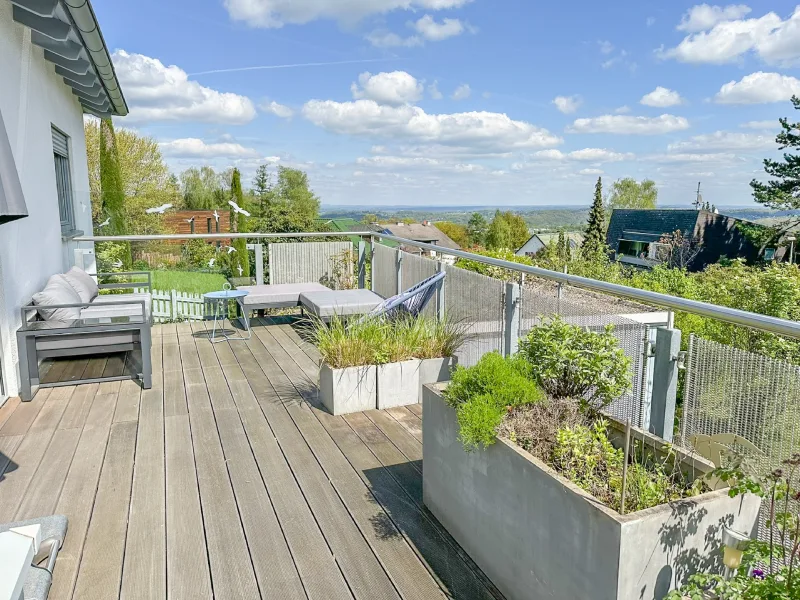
[(69, 33)]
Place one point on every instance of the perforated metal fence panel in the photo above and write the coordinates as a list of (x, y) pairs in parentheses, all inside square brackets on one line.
[(729, 390), (417, 268), (306, 262), (541, 299), (384, 267), (479, 301)]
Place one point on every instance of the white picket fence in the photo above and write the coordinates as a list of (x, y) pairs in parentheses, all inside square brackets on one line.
[(174, 305)]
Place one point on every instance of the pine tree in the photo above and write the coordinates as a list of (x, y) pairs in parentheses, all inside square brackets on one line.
[(262, 186), (239, 224), (782, 192), (596, 229)]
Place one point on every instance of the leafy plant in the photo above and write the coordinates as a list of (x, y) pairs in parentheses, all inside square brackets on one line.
[(572, 362), (482, 394)]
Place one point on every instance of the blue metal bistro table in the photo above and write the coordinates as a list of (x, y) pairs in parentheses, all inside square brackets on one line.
[(220, 301)]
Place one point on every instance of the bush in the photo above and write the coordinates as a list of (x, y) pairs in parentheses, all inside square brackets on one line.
[(198, 253), (483, 394), (572, 362)]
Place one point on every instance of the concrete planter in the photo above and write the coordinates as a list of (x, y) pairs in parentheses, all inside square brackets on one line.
[(353, 389), (435, 370), (398, 383), (537, 535)]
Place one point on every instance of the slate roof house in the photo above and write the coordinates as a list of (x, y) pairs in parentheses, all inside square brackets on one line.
[(425, 232), (633, 235)]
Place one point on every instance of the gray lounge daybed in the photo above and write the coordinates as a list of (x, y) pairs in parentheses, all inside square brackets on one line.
[(341, 303), (70, 317), (283, 295)]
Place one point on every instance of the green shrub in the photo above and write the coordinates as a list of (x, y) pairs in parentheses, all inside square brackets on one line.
[(198, 253), (572, 362), (482, 394)]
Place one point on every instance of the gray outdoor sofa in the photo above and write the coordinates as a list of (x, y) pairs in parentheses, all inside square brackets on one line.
[(70, 318)]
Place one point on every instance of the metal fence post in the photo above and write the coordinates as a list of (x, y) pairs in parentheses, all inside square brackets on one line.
[(440, 306), (511, 329), (665, 382), (362, 264), (258, 249), (372, 263), (399, 271)]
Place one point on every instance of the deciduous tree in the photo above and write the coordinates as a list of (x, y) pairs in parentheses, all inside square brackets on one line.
[(629, 193), (457, 233)]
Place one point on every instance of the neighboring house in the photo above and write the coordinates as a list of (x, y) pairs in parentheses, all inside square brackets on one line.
[(425, 232), (634, 234), (538, 241), (54, 68), (346, 224)]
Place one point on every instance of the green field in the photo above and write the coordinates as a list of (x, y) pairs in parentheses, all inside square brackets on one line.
[(187, 281)]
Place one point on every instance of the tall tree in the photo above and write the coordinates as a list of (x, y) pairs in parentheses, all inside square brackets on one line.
[(782, 191), (595, 240), (629, 193), (239, 224), (477, 227), (507, 230), (292, 206), (201, 188), (457, 233), (111, 191), (262, 184)]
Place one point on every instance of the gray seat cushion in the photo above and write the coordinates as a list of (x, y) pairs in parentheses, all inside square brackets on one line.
[(283, 294), (57, 291), (126, 305), (340, 302), (82, 283)]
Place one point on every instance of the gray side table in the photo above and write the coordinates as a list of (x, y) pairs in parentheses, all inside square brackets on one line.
[(220, 301)]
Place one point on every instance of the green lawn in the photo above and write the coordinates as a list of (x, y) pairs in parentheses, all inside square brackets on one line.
[(187, 281)]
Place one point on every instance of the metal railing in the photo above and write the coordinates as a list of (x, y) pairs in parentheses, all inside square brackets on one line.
[(723, 313)]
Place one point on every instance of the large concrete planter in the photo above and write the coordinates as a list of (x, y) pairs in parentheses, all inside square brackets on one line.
[(398, 384), (435, 370), (353, 389), (538, 536)]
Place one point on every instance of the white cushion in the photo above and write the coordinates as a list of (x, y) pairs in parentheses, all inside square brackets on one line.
[(340, 302), (82, 283), (123, 305), (57, 291), (279, 293)]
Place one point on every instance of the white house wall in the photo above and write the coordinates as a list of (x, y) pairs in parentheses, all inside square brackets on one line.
[(32, 98)]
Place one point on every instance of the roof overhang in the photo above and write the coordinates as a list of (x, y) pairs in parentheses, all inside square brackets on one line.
[(71, 38)]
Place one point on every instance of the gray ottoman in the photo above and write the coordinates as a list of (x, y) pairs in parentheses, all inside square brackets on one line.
[(342, 303), (283, 295)]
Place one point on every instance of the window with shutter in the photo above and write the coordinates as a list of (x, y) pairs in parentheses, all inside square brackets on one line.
[(63, 180)]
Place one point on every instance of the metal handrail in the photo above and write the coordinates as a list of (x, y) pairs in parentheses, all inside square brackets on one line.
[(723, 313)]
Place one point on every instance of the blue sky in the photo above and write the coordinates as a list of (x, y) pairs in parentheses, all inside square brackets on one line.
[(458, 102)]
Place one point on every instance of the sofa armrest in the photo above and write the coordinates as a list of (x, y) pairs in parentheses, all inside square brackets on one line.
[(25, 310)]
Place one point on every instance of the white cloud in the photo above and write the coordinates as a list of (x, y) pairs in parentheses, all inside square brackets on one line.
[(624, 124), (277, 13), (279, 110), (596, 155), (774, 40), (758, 88), (704, 16), (606, 47), (405, 162), (590, 172), (773, 124), (158, 93), (462, 92), (397, 87), (724, 140), (684, 157), (567, 104), (661, 97), (471, 131), (387, 39), (433, 91), (623, 110), (197, 148), (432, 31)]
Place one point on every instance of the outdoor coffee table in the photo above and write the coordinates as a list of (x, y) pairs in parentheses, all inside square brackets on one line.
[(220, 301)]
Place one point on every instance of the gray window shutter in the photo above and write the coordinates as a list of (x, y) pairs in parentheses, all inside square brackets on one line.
[(60, 145)]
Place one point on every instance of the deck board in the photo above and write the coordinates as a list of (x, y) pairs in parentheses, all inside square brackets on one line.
[(227, 480)]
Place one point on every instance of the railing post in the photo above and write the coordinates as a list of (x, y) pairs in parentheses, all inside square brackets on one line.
[(511, 329), (440, 306), (362, 264), (399, 271), (665, 382), (372, 262), (258, 250)]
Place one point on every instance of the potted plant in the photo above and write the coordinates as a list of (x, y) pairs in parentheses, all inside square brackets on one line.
[(532, 479)]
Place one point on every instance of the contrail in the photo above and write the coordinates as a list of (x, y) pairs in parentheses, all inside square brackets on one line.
[(299, 65)]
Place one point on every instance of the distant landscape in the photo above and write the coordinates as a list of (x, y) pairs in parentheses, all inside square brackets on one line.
[(545, 218)]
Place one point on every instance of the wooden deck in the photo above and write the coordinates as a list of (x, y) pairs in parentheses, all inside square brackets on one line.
[(227, 481)]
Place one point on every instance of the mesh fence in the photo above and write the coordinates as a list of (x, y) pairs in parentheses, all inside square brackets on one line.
[(541, 299), (384, 271), (417, 268), (479, 301), (729, 390), (323, 262)]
